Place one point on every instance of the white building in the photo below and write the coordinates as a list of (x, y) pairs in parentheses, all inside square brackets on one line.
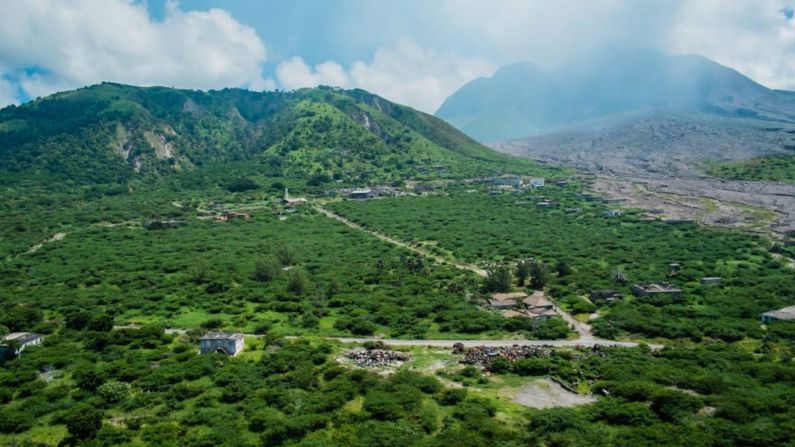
[(536, 182), (19, 341), (222, 342)]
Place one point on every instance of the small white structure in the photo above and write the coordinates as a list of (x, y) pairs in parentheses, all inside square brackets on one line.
[(222, 342), (16, 342), (536, 182), (613, 213), (785, 314)]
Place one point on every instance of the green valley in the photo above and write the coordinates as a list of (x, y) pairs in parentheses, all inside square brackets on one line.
[(316, 226)]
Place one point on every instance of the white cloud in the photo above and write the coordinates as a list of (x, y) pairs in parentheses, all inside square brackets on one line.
[(81, 42), (8, 92), (405, 73), (754, 38)]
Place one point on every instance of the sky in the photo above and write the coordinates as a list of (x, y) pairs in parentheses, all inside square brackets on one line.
[(415, 52)]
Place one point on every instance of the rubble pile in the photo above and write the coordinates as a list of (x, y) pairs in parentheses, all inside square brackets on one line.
[(373, 358), (483, 355)]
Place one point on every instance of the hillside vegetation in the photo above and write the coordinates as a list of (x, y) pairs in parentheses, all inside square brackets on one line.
[(777, 169), (111, 133)]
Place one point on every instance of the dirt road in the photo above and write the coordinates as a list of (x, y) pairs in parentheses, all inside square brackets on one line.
[(440, 259)]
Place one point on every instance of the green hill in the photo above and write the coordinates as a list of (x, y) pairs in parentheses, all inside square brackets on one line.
[(110, 133)]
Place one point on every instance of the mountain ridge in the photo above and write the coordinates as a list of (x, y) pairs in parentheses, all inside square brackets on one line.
[(112, 132)]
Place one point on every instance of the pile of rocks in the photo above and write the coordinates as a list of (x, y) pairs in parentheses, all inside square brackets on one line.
[(483, 355), (374, 358)]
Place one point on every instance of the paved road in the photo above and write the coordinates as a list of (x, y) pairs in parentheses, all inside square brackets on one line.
[(579, 342)]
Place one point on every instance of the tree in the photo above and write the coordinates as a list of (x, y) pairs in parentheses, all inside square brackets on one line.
[(267, 269), (563, 268), (242, 184), (114, 391), (299, 282), (77, 319), (379, 268), (285, 256), (88, 378), (522, 272), (14, 421), (618, 276), (100, 323), (498, 279), (539, 274), (83, 422), (20, 318)]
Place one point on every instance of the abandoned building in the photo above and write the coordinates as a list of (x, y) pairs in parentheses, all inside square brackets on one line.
[(506, 300), (538, 306), (16, 342), (222, 342), (362, 194), (232, 215), (784, 314), (537, 301), (711, 280), (292, 201), (654, 289), (613, 213), (605, 295), (536, 182), (508, 180)]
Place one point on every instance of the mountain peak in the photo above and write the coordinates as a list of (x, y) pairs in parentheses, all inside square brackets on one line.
[(520, 100)]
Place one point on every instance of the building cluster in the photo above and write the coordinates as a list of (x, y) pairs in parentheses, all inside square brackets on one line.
[(371, 192), (374, 358), (519, 304)]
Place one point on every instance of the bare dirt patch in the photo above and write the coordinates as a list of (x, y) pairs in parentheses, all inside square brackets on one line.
[(546, 393), (55, 237), (753, 206)]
